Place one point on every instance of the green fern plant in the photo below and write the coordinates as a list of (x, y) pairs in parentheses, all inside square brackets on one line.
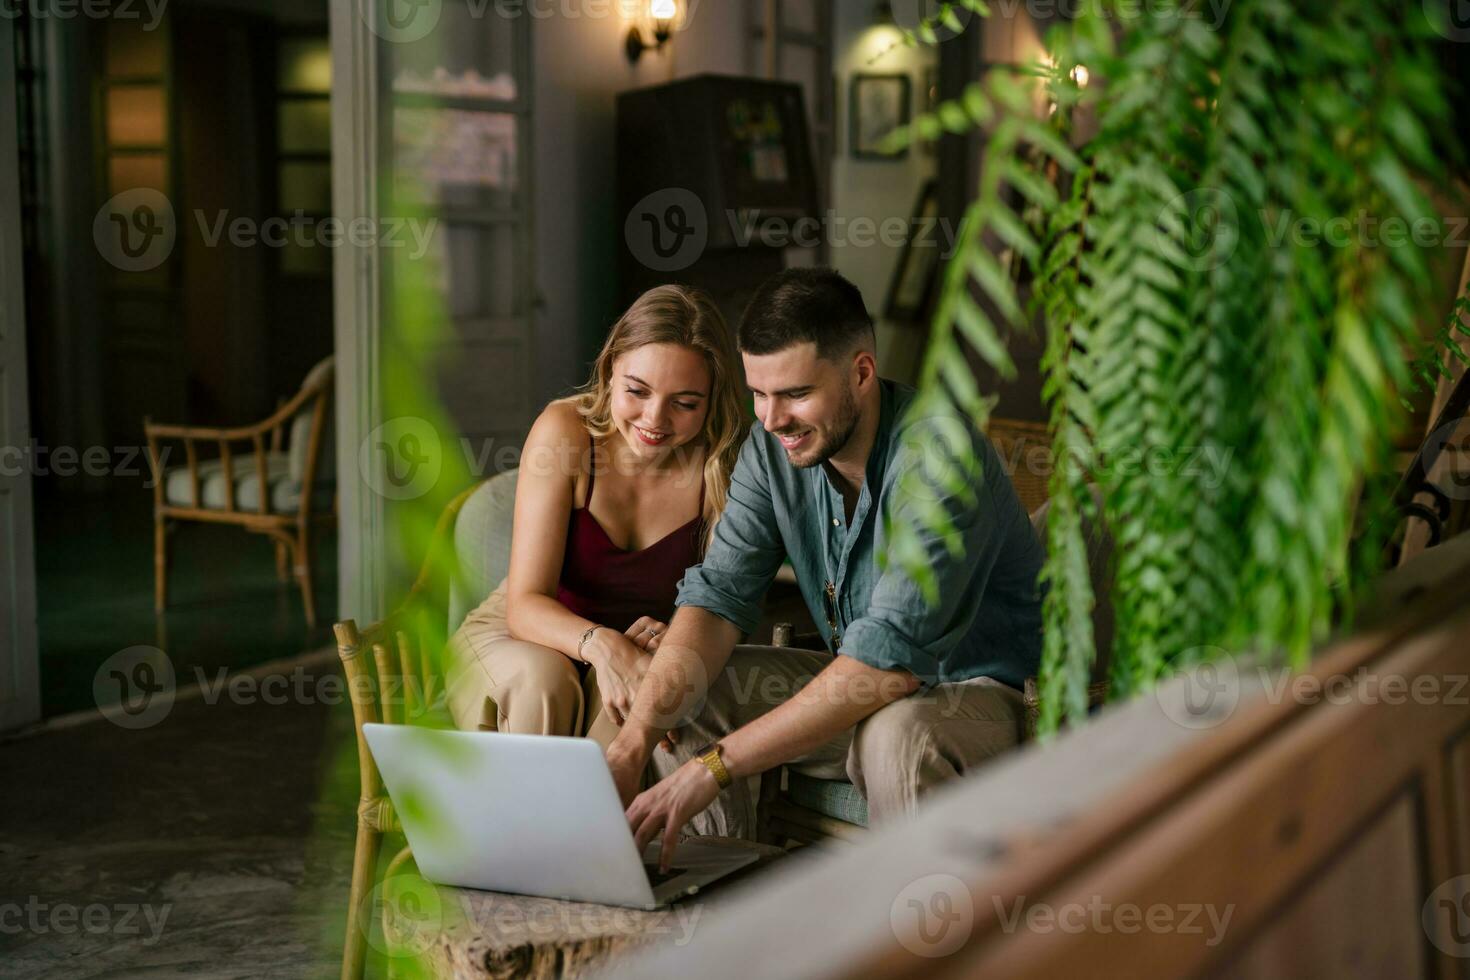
[(1183, 324), (1432, 362)]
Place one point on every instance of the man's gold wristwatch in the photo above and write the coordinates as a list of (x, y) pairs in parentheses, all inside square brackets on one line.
[(710, 757)]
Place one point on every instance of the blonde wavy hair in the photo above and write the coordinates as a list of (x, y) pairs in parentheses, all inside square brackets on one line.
[(687, 317)]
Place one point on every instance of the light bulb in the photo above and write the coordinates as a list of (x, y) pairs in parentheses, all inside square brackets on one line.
[(663, 9)]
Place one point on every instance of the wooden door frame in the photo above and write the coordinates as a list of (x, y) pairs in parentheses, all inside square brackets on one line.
[(362, 99), (357, 307)]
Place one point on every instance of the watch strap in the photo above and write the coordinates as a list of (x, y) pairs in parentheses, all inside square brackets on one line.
[(716, 766)]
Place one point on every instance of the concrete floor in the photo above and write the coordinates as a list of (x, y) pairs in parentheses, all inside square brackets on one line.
[(215, 843)]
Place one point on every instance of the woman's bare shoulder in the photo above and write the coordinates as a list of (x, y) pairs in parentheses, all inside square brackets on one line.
[(556, 441), (559, 422)]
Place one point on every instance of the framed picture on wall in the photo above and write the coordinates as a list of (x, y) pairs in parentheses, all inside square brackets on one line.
[(912, 290), (877, 105)]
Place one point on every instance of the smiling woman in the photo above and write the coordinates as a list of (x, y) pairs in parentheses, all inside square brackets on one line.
[(618, 489), (653, 413)]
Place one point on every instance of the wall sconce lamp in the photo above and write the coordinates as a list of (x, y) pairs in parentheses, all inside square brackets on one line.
[(662, 15)]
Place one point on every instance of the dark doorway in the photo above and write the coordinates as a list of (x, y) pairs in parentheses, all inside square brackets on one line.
[(204, 298)]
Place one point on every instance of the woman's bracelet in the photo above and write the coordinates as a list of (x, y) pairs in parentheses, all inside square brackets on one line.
[(587, 635)]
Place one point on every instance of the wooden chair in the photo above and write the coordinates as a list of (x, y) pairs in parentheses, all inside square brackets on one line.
[(1025, 449), (278, 488), (394, 676)]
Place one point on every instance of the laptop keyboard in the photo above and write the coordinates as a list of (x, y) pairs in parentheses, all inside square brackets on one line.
[(657, 877)]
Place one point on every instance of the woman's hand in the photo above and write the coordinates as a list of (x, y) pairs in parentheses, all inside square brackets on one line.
[(646, 633), (620, 666), (621, 662)]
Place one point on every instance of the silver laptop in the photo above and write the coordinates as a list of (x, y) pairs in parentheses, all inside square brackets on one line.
[(529, 814)]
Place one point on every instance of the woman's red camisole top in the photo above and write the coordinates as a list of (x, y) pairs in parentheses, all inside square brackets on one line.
[(613, 586)]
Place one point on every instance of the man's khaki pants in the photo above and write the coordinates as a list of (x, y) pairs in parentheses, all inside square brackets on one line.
[(893, 756)]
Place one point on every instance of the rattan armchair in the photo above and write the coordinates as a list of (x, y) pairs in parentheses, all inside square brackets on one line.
[(1025, 449), (388, 688), (277, 487), (394, 676)]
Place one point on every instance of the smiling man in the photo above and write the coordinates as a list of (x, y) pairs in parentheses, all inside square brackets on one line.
[(908, 693)]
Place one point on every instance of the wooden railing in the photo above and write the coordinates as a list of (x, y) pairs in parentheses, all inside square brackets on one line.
[(1237, 822)]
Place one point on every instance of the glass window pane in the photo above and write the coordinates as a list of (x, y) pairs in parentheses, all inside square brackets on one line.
[(469, 52), (133, 51), (305, 125), (131, 170), (136, 115), (476, 268), (455, 157), (304, 65), (306, 187)]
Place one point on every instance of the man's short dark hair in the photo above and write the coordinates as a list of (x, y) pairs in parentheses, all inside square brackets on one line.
[(800, 305)]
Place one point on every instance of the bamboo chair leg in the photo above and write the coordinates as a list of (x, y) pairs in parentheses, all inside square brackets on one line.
[(303, 571), (160, 563), (283, 566), (370, 817), (395, 867), (359, 919)]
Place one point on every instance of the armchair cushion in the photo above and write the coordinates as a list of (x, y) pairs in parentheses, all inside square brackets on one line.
[(285, 493), (829, 797), (481, 545), (298, 435)]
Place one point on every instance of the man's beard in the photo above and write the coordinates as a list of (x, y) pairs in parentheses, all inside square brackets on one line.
[(833, 437)]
